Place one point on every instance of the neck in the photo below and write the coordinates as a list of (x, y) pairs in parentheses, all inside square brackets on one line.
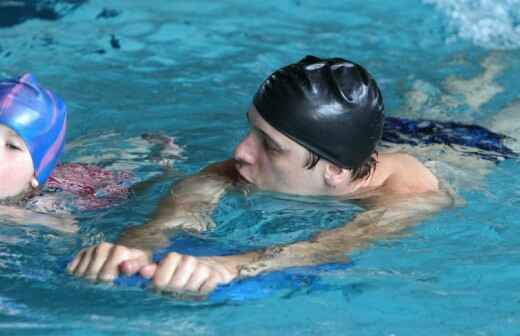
[(368, 186)]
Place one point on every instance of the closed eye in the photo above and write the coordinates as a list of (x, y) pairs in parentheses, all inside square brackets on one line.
[(266, 144), (269, 146), (12, 146)]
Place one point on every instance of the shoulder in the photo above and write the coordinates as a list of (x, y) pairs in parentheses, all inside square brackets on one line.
[(225, 169), (409, 175)]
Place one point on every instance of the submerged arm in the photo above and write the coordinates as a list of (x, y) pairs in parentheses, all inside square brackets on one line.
[(333, 245), (64, 223), (188, 206), (182, 273)]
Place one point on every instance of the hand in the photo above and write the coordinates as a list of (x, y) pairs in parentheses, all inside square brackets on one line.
[(104, 262), (185, 274)]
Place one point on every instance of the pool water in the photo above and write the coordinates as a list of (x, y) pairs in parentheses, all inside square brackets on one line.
[(189, 70)]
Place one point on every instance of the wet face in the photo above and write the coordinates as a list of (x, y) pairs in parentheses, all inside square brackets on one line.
[(271, 161), (16, 168)]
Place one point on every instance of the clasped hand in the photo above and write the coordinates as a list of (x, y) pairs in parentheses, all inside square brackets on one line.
[(182, 274)]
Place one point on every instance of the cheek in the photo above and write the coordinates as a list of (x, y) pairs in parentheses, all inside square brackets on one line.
[(291, 176), (15, 176), (280, 172)]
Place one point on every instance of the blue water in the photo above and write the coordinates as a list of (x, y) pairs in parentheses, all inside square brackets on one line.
[(189, 70)]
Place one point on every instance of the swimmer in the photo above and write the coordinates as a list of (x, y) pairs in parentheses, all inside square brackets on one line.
[(314, 129), (33, 123)]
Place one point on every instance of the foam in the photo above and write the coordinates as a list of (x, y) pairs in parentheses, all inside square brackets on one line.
[(492, 24)]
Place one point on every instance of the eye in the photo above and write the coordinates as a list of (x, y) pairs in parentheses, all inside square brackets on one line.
[(12, 146), (266, 144), (269, 146)]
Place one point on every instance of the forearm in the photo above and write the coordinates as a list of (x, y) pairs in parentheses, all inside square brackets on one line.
[(334, 245), (156, 234), (187, 207), (294, 255)]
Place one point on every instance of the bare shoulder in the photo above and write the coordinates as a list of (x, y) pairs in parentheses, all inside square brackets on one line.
[(409, 175), (223, 168), (211, 180)]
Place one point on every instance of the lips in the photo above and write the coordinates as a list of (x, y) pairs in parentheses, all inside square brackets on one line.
[(242, 178)]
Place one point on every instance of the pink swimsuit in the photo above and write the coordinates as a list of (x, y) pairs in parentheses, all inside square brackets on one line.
[(92, 186)]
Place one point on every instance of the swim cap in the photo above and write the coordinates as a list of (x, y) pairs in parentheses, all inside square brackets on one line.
[(38, 117), (332, 107)]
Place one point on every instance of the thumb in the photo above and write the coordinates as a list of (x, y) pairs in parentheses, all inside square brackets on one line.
[(148, 271), (132, 266)]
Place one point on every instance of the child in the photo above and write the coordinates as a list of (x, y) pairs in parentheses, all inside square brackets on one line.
[(33, 123)]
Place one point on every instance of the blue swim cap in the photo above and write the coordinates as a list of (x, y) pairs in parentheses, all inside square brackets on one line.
[(38, 117)]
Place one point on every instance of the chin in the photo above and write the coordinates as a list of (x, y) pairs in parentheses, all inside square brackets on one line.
[(243, 177)]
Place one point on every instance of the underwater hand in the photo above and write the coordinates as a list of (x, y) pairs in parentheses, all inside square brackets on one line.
[(184, 274), (105, 261)]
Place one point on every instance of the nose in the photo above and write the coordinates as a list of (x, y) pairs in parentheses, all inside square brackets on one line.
[(245, 152)]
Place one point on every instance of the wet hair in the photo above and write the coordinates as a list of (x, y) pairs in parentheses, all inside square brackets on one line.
[(361, 172)]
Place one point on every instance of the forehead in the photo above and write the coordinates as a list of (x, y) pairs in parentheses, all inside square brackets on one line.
[(8, 132), (259, 122)]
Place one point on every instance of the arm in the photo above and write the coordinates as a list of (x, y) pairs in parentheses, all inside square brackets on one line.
[(330, 246), (180, 273), (64, 223), (188, 206)]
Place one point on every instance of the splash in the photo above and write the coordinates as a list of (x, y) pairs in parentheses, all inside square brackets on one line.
[(492, 24)]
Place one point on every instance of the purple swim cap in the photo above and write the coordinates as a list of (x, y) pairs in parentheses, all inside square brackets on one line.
[(38, 117)]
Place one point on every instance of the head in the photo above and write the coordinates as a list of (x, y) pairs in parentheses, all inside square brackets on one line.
[(315, 125), (32, 133)]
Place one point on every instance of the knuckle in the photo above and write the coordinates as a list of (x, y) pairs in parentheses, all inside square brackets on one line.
[(172, 257), (103, 246), (120, 250), (204, 271), (190, 261)]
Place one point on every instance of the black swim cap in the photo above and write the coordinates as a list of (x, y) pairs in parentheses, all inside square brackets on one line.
[(332, 107)]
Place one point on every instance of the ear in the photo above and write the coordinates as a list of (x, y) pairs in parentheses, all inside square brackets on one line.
[(34, 182), (335, 176)]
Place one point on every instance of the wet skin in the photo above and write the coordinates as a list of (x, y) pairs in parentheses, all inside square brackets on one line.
[(16, 167), (399, 193)]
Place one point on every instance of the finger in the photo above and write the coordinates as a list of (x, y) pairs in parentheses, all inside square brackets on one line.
[(83, 264), (183, 273), (98, 259), (166, 269), (210, 284), (148, 271), (71, 267), (221, 268), (223, 274), (110, 270), (198, 278), (132, 266)]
